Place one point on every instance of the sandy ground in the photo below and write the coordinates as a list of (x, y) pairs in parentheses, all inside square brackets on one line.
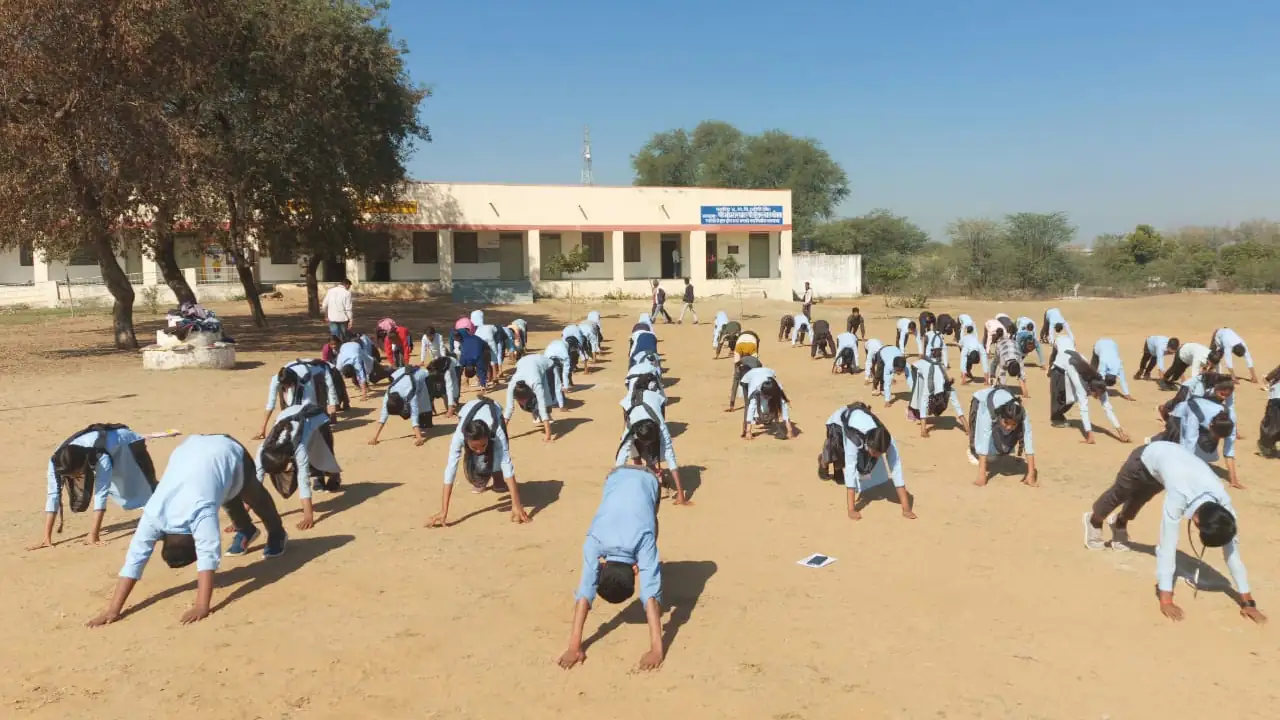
[(986, 606)]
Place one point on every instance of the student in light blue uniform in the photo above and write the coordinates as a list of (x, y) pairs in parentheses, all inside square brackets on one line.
[(888, 361), (356, 364), (963, 323), (871, 346), (577, 342), (1269, 427), (1054, 325), (642, 341), (1191, 492), (846, 359), (406, 395), (296, 384), (1199, 423), (481, 443), (1106, 360), (558, 352), (477, 318), (722, 319), (645, 320), (1073, 381), (647, 395), (489, 334), (642, 369), (999, 425), (870, 458), (299, 446), (435, 344), (646, 440), (621, 546), (1154, 348), (1232, 345), (99, 462), (764, 402), (204, 472), (971, 354), (931, 392), (802, 329), (590, 341), (534, 388), (907, 328)]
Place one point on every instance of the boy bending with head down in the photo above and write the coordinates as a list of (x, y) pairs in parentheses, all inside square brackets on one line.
[(621, 545)]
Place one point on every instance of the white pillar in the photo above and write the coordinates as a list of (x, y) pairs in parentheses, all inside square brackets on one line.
[(619, 239), (355, 270), (444, 251), (786, 269), (696, 270), (534, 238)]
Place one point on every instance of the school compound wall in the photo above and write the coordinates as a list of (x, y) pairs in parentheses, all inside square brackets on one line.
[(828, 275)]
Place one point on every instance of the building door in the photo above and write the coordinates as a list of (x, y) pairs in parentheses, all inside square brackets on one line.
[(333, 269), (550, 244), (511, 256), (758, 259), (670, 249), (377, 259), (713, 266)]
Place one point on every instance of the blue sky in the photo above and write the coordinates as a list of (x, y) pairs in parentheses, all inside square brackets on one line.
[(1117, 112)]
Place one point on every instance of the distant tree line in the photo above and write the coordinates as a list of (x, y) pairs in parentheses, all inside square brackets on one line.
[(1022, 254), (135, 120)]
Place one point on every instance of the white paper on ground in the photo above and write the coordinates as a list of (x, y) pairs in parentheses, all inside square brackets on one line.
[(816, 560)]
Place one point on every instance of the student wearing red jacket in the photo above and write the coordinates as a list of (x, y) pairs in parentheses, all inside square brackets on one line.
[(397, 345)]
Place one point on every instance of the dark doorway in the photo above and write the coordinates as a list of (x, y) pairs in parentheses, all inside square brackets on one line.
[(670, 249), (333, 270), (377, 259), (713, 267)]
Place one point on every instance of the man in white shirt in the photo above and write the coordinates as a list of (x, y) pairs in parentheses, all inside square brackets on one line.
[(336, 306), (1191, 491), (806, 302)]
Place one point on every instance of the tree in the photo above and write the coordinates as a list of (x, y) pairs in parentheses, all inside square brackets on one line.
[(887, 243), (716, 154), (569, 264), (1145, 245), (81, 126), (978, 243), (1035, 245), (729, 270)]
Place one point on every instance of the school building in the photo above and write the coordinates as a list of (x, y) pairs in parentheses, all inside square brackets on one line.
[(476, 237)]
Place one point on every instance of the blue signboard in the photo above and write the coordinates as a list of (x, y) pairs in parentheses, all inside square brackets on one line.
[(741, 214)]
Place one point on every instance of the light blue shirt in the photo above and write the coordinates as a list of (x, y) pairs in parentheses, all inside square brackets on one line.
[(305, 434), (489, 334), (904, 331), (625, 529), (352, 354), (722, 319), (1053, 316), (750, 385), (871, 347), (634, 415), (1025, 323), (1188, 484), (933, 340), (652, 398), (588, 333), (983, 443), (453, 393), (1273, 393), (888, 354), (532, 370), (434, 344), (204, 473), (1228, 339), (401, 384), (594, 316), (1109, 362), (846, 340), (920, 387), (644, 368), (314, 372), (888, 467), (1191, 427), (969, 342), (802, 323), (477, 318), (572, 331), (498, 436), (645, 320), (965, 322), (1077, 393), (559, 350), (116, 474), (1157, 345)]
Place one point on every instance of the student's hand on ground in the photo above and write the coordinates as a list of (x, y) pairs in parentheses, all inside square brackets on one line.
[(906, 513), (1032, 478), (651, 660), (47, 542), (1130, 398), (373, 441), (519, 516), (437, 520), (195, 614), (1088, 439), (105, 618), (418, 441), (1253, 614), (571, 657), (981, 481), (855, 515), (1171, 611), (307, 522), (1123, 436), (259, 436)]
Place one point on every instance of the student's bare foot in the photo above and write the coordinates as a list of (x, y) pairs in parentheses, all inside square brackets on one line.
[(259, 436), (571, 657), (1236, 486), (908, 515), (651, 660), (96, 541), (105, 618), (40, 545)]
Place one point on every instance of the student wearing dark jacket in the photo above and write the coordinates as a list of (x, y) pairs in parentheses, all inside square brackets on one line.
[(688, 303), (856, 324)]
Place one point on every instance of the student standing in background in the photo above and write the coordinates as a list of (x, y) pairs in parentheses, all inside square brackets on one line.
[(688, 303)]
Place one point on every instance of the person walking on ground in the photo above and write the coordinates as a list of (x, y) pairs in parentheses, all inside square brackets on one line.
[(659, 299), (688, 303), (806, 302), (336, 307)]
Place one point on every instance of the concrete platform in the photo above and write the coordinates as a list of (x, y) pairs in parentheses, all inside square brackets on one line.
[(219, 356)]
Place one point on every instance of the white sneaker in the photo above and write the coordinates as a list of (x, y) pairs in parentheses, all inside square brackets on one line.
[(972, 459), (1119, 537), (1092, 535)]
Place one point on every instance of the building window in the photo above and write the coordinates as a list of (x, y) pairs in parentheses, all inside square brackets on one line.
[(25, 256), (283, 256), (466, 247), (83, 256), (733, 249), (594, 243), (631, 247), (426, 248)]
